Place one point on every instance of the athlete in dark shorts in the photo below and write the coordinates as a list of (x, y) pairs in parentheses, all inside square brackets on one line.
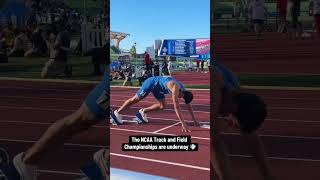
[(94, 110), (239, 110), (158, 86)]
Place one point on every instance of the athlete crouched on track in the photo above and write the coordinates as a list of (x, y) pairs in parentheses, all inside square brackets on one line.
[(158, 86), (239, 110)]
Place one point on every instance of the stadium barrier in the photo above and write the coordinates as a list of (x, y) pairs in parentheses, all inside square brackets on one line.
[(92, 37)]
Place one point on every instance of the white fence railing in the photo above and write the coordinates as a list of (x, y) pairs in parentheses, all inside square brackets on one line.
[(92, 37)]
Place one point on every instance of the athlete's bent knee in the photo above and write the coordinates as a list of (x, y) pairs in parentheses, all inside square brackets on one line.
[(163, 106), (83, 118)]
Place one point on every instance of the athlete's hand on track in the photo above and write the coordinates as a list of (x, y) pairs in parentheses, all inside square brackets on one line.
[(185, 128)]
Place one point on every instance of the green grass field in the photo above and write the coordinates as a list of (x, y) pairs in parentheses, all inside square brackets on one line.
[(82, 67), (31, 68)]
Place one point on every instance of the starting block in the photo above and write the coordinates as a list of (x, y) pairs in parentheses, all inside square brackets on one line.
[(7, 169), (91, 172)]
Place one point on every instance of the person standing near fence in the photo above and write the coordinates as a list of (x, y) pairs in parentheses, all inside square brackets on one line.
[(293, 13), (202, 65), (315, 11), (169, 65), (198, 65), (258, 12), (147, 62), (282, 12)]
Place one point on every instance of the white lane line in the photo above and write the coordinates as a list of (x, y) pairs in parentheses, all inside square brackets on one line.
[(139, 107), (166, 127), (289, 98), (40, 109), (49, 80), (147, 132), (147, 101), (70, 110), (46, 89), (291, 120), (166, 119), (277, 136), (162, 162), (59, 172), (39, 123), (295, 108), (287, 120), (67, 144), (82, 98), (44, 98), (278, 158), (235, 134)]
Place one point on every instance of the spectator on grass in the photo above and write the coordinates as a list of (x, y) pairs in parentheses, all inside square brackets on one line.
[(51, 39), (144, 77), (282, 12), (39, 45), (13, 18), (198, 65), (202, 65), (258, 12), (7, 37), (99, 58), (190, 65), (57, 64), (156, 68), (209, 65), (164, 68), (293, 13), (315, 11), (20, 44), (169, 65), (127, 75), (186, 64), (236, 11)]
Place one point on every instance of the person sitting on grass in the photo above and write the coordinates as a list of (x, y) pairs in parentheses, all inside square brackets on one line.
[(128, 75), (57, 64), (144, 77), (20, 44), (238, 110), (98, 56), (39, 45)]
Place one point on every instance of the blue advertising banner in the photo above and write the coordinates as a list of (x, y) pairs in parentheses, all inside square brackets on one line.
[(197, 48)]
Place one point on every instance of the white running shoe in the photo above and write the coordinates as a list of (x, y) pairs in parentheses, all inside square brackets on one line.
[(27, 172), (101, 158), (144, 115), (119, 117)]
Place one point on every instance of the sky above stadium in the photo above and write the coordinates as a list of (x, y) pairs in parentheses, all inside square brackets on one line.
[(148, 20)]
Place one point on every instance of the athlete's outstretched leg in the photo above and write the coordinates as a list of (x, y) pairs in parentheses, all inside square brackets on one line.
[(162, 104), (135, 99)]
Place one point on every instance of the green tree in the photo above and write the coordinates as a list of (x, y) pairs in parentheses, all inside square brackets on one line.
[(133, 51)]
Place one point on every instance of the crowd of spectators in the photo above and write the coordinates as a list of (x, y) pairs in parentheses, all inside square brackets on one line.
[(256, 14), (47, 31)]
